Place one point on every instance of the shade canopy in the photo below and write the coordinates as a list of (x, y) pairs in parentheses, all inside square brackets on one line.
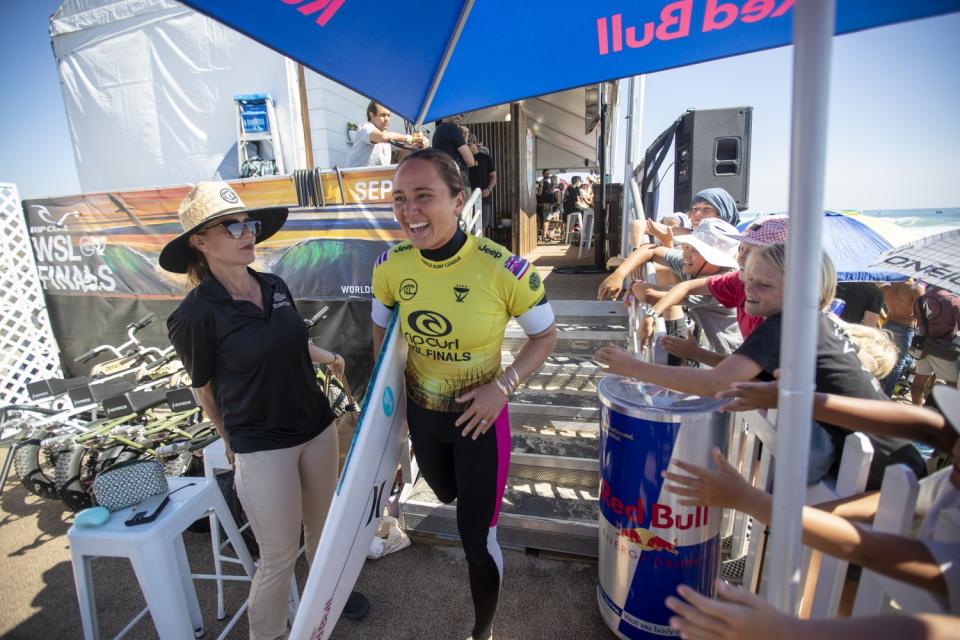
[(393, 51)]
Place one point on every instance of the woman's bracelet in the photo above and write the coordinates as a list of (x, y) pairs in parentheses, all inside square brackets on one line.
[(335, 356)]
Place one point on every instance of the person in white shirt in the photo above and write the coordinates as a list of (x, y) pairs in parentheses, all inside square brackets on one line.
[(372, 146)]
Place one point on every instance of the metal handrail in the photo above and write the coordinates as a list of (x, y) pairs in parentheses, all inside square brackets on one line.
[(473, 221)]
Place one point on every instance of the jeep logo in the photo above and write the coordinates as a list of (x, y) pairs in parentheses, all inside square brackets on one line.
[(493, 253)]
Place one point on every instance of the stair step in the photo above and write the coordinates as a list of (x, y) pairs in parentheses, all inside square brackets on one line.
[(580, 405), (581, 349), (534, 515)]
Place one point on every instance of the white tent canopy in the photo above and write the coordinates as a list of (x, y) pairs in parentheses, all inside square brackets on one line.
[(148, 88)]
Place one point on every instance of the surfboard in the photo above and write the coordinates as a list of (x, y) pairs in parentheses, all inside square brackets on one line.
[(365, 483)]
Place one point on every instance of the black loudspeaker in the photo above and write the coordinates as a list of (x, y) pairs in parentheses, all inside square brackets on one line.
[(712, 149)]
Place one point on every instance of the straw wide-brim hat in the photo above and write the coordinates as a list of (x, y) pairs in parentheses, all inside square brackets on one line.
[(208, 201)]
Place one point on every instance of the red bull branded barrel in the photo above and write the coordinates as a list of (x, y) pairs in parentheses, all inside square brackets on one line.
[(649, 544)]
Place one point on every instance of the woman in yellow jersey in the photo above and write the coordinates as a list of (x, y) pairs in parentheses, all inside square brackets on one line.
[(455, 294)]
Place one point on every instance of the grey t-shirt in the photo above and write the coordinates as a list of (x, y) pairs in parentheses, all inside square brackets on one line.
[(720, 330)]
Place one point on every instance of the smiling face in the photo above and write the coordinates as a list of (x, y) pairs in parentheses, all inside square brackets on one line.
[(222, 249), (763, 284), (701, 211), (423, 204), (693, 262)]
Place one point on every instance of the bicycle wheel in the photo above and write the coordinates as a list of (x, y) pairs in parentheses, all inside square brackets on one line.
[(36, 467), (78, 467)]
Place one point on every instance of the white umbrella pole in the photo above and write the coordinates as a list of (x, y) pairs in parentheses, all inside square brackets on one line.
[(442, 68), (813, 26), (632, 208)]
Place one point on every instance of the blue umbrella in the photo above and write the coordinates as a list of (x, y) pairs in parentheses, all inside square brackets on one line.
[(853, 247), (426, 59)]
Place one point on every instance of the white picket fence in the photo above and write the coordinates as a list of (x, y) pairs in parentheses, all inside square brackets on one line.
[(28, 350), (751, 447)]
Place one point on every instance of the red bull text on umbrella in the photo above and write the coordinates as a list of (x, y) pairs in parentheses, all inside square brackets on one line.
[(649, 544)]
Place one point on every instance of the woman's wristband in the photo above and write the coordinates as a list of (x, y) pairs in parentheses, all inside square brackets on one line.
[(335, 356)]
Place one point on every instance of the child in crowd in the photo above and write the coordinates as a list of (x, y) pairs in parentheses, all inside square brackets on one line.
[(709, 203), (838, 367), (709, 250), (727, 289), (931, 561)]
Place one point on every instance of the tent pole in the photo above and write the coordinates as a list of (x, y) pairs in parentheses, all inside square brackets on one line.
[(813, 26), (632, 209), (447, 54)]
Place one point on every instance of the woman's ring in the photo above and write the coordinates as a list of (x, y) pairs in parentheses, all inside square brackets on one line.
[(482, 421)]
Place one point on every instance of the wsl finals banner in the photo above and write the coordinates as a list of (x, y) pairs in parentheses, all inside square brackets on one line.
[(97, 258)]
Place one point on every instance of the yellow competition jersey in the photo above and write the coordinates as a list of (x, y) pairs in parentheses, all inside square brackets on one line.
[(453, 314)]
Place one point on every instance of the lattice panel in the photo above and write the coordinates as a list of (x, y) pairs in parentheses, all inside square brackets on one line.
[(28, 350)]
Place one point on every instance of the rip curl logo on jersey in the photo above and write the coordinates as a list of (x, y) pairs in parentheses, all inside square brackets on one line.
[(517, 266), (429, 323), (388, 401), (408, 289), (229, 195), (460, 291)]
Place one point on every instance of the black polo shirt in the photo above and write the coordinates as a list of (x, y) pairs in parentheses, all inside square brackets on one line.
[(264, 381)]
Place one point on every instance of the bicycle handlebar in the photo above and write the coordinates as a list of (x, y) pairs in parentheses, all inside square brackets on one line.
[(179, 447), (89, 355), (315, 318), (143, 322)]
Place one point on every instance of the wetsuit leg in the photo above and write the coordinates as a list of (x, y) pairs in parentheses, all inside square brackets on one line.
[(476, 472), (433, 437), (481, 470)]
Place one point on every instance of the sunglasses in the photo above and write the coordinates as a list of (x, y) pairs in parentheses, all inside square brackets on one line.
[(236, 228)]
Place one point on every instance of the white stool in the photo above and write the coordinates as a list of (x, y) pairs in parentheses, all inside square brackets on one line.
[(214, 457), (158, 557), (573, 218), (586, 232)]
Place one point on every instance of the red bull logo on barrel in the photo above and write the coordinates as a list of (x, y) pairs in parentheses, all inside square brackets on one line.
[(649, 543)]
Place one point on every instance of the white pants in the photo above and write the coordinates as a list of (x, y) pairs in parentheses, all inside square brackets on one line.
[(280, 490)]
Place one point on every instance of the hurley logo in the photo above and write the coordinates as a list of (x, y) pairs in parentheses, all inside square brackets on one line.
[(328, 8), (461, 291)]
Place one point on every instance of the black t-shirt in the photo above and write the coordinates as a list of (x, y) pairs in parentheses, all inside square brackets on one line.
[(264, 381), (839, 371), (480, 173), (570, 199), (448, 138), (860, 297), (548, 193)]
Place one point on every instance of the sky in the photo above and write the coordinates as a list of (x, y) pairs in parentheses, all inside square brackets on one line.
[(893, 131)]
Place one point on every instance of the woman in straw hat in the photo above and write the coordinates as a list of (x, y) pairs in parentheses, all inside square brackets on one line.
[(246, 349)]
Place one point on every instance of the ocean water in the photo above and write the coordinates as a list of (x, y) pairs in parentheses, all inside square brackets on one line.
[(923, 221), (917, 223)]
